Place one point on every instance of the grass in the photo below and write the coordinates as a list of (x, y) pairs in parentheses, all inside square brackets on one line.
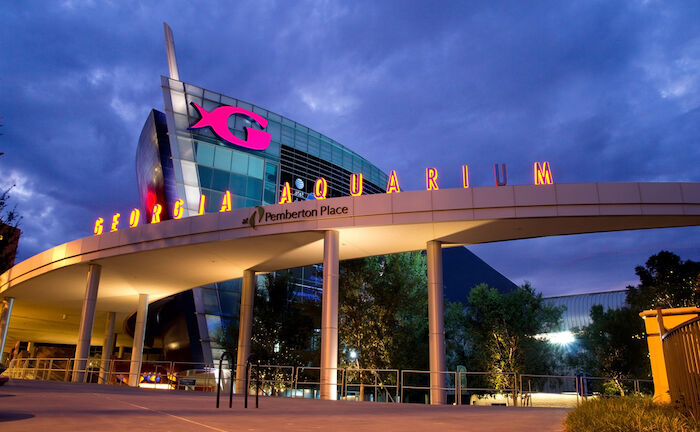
[(627, 414)]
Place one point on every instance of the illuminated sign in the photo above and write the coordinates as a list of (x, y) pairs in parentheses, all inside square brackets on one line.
[(320, 189), (393, 183), (356, 184), (217, 120), (542, 176), (431, 176)]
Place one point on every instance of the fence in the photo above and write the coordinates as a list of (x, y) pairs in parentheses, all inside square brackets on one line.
[(681, 347), (377, 385)]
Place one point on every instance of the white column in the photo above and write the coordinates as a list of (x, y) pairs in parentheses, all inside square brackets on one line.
[(107, 347), (139, 335), (87, 317), (245, 328), (329, 317), (436, 323), (5, 315)]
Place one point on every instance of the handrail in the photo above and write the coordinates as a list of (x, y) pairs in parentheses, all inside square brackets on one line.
[(218, 384)]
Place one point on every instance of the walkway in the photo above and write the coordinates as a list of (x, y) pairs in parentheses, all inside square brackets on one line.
[(52, 406)]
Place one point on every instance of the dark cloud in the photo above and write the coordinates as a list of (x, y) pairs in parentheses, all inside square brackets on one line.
[(606, 91)]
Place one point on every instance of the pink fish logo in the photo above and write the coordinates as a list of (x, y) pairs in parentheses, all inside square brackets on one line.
[(217, 120)]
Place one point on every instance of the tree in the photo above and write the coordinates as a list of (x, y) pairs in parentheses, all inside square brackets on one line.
[(665, 281), (614, 346), (9, 232), (283, 324), (383, 310), (500, 332)]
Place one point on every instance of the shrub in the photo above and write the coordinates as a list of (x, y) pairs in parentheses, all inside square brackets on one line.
[(627, 414)]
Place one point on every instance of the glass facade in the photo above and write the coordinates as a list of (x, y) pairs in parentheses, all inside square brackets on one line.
[(174, 162)]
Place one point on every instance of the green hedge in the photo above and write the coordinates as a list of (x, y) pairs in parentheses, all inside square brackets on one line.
[(627, 414)]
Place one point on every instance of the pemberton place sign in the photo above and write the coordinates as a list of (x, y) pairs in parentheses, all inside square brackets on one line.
[(217, 120)]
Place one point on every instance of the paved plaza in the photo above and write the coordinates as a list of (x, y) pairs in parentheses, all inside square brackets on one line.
[(52, 406)]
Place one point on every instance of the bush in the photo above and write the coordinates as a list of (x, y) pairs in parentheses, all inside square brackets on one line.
[(627, 414)]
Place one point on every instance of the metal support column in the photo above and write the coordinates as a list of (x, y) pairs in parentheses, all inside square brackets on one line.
[(87, 317), (329, 317), (245, 328), (5, 315), (139, 335), (436, 324), (107, 347)]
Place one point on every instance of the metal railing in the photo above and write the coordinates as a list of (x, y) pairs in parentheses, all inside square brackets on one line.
[(377, 385), (681, 347)]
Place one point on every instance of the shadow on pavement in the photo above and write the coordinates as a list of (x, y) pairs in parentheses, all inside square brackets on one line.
[(14, 416)]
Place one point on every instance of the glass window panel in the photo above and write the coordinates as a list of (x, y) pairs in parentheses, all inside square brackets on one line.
[(287, 136), (194, 90), (325, 151), (239, 163), (270, 197), (213, 322), (241, 122), (205, 154), (210, 105), (191, 197), (271, 173), (179, 102), (212, 96), (274, 129), (255, 167), (175, 85), (260, 111), (252, 202), (287, 122), (228, 101), (300, 141), (205, 176), (237, 184), (220, 180), (238, 202), (245, 105), (254, 188), (185, 147), (181, 122), (337, 155), (190, 108), (189, 173), (274, 117), (210, 300), (213, 202), (273, 149), (178, 172), (347, 161), (222, 158), (230, 301), (313, 147)]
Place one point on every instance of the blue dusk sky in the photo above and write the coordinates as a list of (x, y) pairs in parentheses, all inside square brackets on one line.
[(606, 91)]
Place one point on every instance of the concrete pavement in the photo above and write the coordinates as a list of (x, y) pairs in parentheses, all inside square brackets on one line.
[(57, 406)]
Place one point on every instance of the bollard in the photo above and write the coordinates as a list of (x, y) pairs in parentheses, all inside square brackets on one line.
[(257, 385)]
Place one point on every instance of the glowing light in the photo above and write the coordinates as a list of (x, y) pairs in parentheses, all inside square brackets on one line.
[(99, 226), (217, 120), (560, 338), (202, 201), (497, 176), (157, 210), (226, 202), (393, 183), (286, 195), (543, 174), (431, 175), (115, 222), (465, 176), (353, 354), (356, 184), (178, 210), (320, 189), (134, 218)]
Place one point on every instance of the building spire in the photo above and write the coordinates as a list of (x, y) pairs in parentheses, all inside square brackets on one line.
[(170, 48)]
